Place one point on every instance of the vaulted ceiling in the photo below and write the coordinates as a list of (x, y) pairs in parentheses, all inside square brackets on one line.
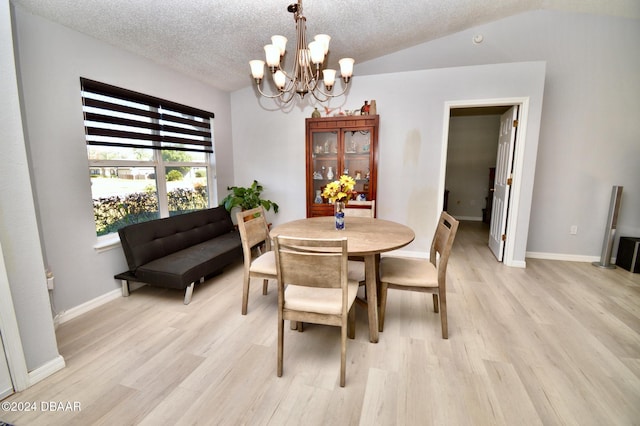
[(213, 40)]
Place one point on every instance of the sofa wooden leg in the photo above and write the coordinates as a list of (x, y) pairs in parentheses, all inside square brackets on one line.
[(188, 293), (125, 288)]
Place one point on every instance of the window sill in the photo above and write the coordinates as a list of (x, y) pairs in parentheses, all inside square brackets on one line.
[(109, 242)]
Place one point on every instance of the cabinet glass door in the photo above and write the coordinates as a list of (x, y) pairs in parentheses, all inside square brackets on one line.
[(357, 161), (324, 162)]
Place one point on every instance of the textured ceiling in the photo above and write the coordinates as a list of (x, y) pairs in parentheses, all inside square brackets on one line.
[(213, 40)]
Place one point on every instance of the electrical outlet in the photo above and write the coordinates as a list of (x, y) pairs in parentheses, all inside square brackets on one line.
[(49, 281), (573, 230)]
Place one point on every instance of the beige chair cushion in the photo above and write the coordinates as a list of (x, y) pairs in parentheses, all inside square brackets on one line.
[(355, 270), (408, 272), (318, 300), (264, 264)]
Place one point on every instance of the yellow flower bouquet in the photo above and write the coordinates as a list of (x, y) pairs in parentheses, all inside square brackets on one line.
[(340, 190)]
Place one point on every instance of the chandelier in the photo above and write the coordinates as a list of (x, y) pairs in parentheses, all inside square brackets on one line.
[(307, 68)]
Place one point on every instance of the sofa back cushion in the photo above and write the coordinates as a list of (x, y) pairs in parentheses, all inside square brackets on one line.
[(147, 241)]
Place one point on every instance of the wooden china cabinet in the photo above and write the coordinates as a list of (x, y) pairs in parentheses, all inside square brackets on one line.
[(336, 146)]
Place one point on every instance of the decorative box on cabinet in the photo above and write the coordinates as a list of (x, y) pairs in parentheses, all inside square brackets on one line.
[(336, 146)]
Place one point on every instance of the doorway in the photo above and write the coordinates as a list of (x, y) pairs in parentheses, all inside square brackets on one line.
[(481, 200)]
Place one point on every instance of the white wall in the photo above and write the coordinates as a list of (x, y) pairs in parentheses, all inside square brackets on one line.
[(52, 58), (19, 240), (590, 132), (270, 146), (472, 150)]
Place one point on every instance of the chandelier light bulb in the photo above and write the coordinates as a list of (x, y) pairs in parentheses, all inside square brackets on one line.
[(316, 50), (257, 69), (346, 68), (303, 57), (324, 40), (279, 79), (329, 78), (280, 42), (272, 53)]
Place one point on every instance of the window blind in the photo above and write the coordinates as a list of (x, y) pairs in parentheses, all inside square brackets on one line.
[(119, 117)]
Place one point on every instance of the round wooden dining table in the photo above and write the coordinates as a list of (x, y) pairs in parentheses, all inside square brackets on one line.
[(366, 237)]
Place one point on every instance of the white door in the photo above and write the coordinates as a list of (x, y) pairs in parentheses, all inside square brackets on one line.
[(502, 184), (6, 386)]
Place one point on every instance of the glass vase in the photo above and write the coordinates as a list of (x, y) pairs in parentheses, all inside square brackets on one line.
[(339, 214)]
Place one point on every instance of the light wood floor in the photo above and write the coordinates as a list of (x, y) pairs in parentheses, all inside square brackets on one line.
[(557, 343)]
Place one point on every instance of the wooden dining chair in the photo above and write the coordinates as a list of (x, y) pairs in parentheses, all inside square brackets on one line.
[(313, 288), (429, 276), (259, 258), (360, 208)]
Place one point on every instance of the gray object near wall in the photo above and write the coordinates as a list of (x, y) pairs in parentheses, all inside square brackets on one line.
[(610, 231)]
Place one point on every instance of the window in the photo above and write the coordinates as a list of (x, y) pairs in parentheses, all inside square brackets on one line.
[(148, 157)]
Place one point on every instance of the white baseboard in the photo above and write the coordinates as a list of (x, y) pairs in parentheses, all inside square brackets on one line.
[(516, 264), (76, 311), (46, 370), (563, 256)]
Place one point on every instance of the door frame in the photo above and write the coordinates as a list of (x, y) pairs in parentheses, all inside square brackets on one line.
[(518, 164)]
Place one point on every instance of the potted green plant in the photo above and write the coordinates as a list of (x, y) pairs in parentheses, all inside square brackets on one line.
[(247, 198)]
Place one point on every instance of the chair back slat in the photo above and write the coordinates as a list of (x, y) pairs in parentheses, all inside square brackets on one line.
[(257, 231), (443, 241), (253, 228), (360, 209), (312, 262)]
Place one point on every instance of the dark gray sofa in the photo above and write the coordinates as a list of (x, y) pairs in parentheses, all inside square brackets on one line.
[(177, 251)]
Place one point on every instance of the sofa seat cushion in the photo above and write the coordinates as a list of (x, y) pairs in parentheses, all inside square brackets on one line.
[(179, 269)]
